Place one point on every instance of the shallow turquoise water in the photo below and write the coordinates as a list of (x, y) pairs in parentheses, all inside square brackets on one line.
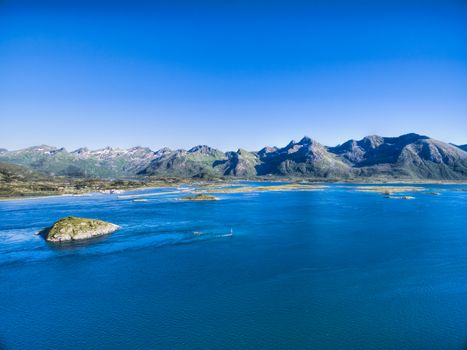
[(333, 269)]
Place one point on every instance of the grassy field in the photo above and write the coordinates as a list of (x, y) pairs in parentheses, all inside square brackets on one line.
[(57, 186)]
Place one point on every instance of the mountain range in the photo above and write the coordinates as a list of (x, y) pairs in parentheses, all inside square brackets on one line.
[(409, 156)]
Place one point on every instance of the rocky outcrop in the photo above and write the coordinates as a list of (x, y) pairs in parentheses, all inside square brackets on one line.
[(200, 197), (72, 229)]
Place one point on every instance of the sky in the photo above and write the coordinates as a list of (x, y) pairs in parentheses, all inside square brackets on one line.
[(230, 74)]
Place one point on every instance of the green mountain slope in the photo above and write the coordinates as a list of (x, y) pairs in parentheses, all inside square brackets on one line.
[(409, 156)]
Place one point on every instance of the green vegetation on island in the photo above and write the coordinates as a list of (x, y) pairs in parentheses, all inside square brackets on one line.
[(72, 228), (200, 197), (399, 197)]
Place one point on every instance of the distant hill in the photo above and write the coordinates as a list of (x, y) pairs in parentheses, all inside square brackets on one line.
[(12, 172), (463, 147), (105, 163), (17, 181), (409, 156), (200, 161)]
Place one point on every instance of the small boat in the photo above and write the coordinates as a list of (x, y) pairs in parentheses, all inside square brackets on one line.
[(197, 233)]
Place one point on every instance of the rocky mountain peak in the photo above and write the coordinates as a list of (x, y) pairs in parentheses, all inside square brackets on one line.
[(140, 151), (162, 152), (204, 149), (406, 138), (42, 148), (267, 150), (304, 144), (372, 141), (410, 156), (81, 151), (139, 148), (305, 141)]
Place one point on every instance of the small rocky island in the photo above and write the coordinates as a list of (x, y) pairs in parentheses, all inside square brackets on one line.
[(200, 197), (72, 229)]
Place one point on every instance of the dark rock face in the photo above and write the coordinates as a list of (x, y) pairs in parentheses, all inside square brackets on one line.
[(266, 150), (241, 163), (411, 155), (433, 159), (406, 156), (354, 151), (306, 157), (373, 150)]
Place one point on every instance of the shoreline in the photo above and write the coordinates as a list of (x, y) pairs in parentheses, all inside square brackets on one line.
[(83, 194), (225, 181)]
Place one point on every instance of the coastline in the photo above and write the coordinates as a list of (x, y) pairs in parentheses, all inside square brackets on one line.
[(171, 183), (80, 194)]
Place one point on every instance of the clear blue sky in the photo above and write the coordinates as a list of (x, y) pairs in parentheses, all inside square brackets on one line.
[(230, 74)]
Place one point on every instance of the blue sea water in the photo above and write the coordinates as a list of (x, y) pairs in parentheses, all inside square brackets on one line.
[(331, 269)]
